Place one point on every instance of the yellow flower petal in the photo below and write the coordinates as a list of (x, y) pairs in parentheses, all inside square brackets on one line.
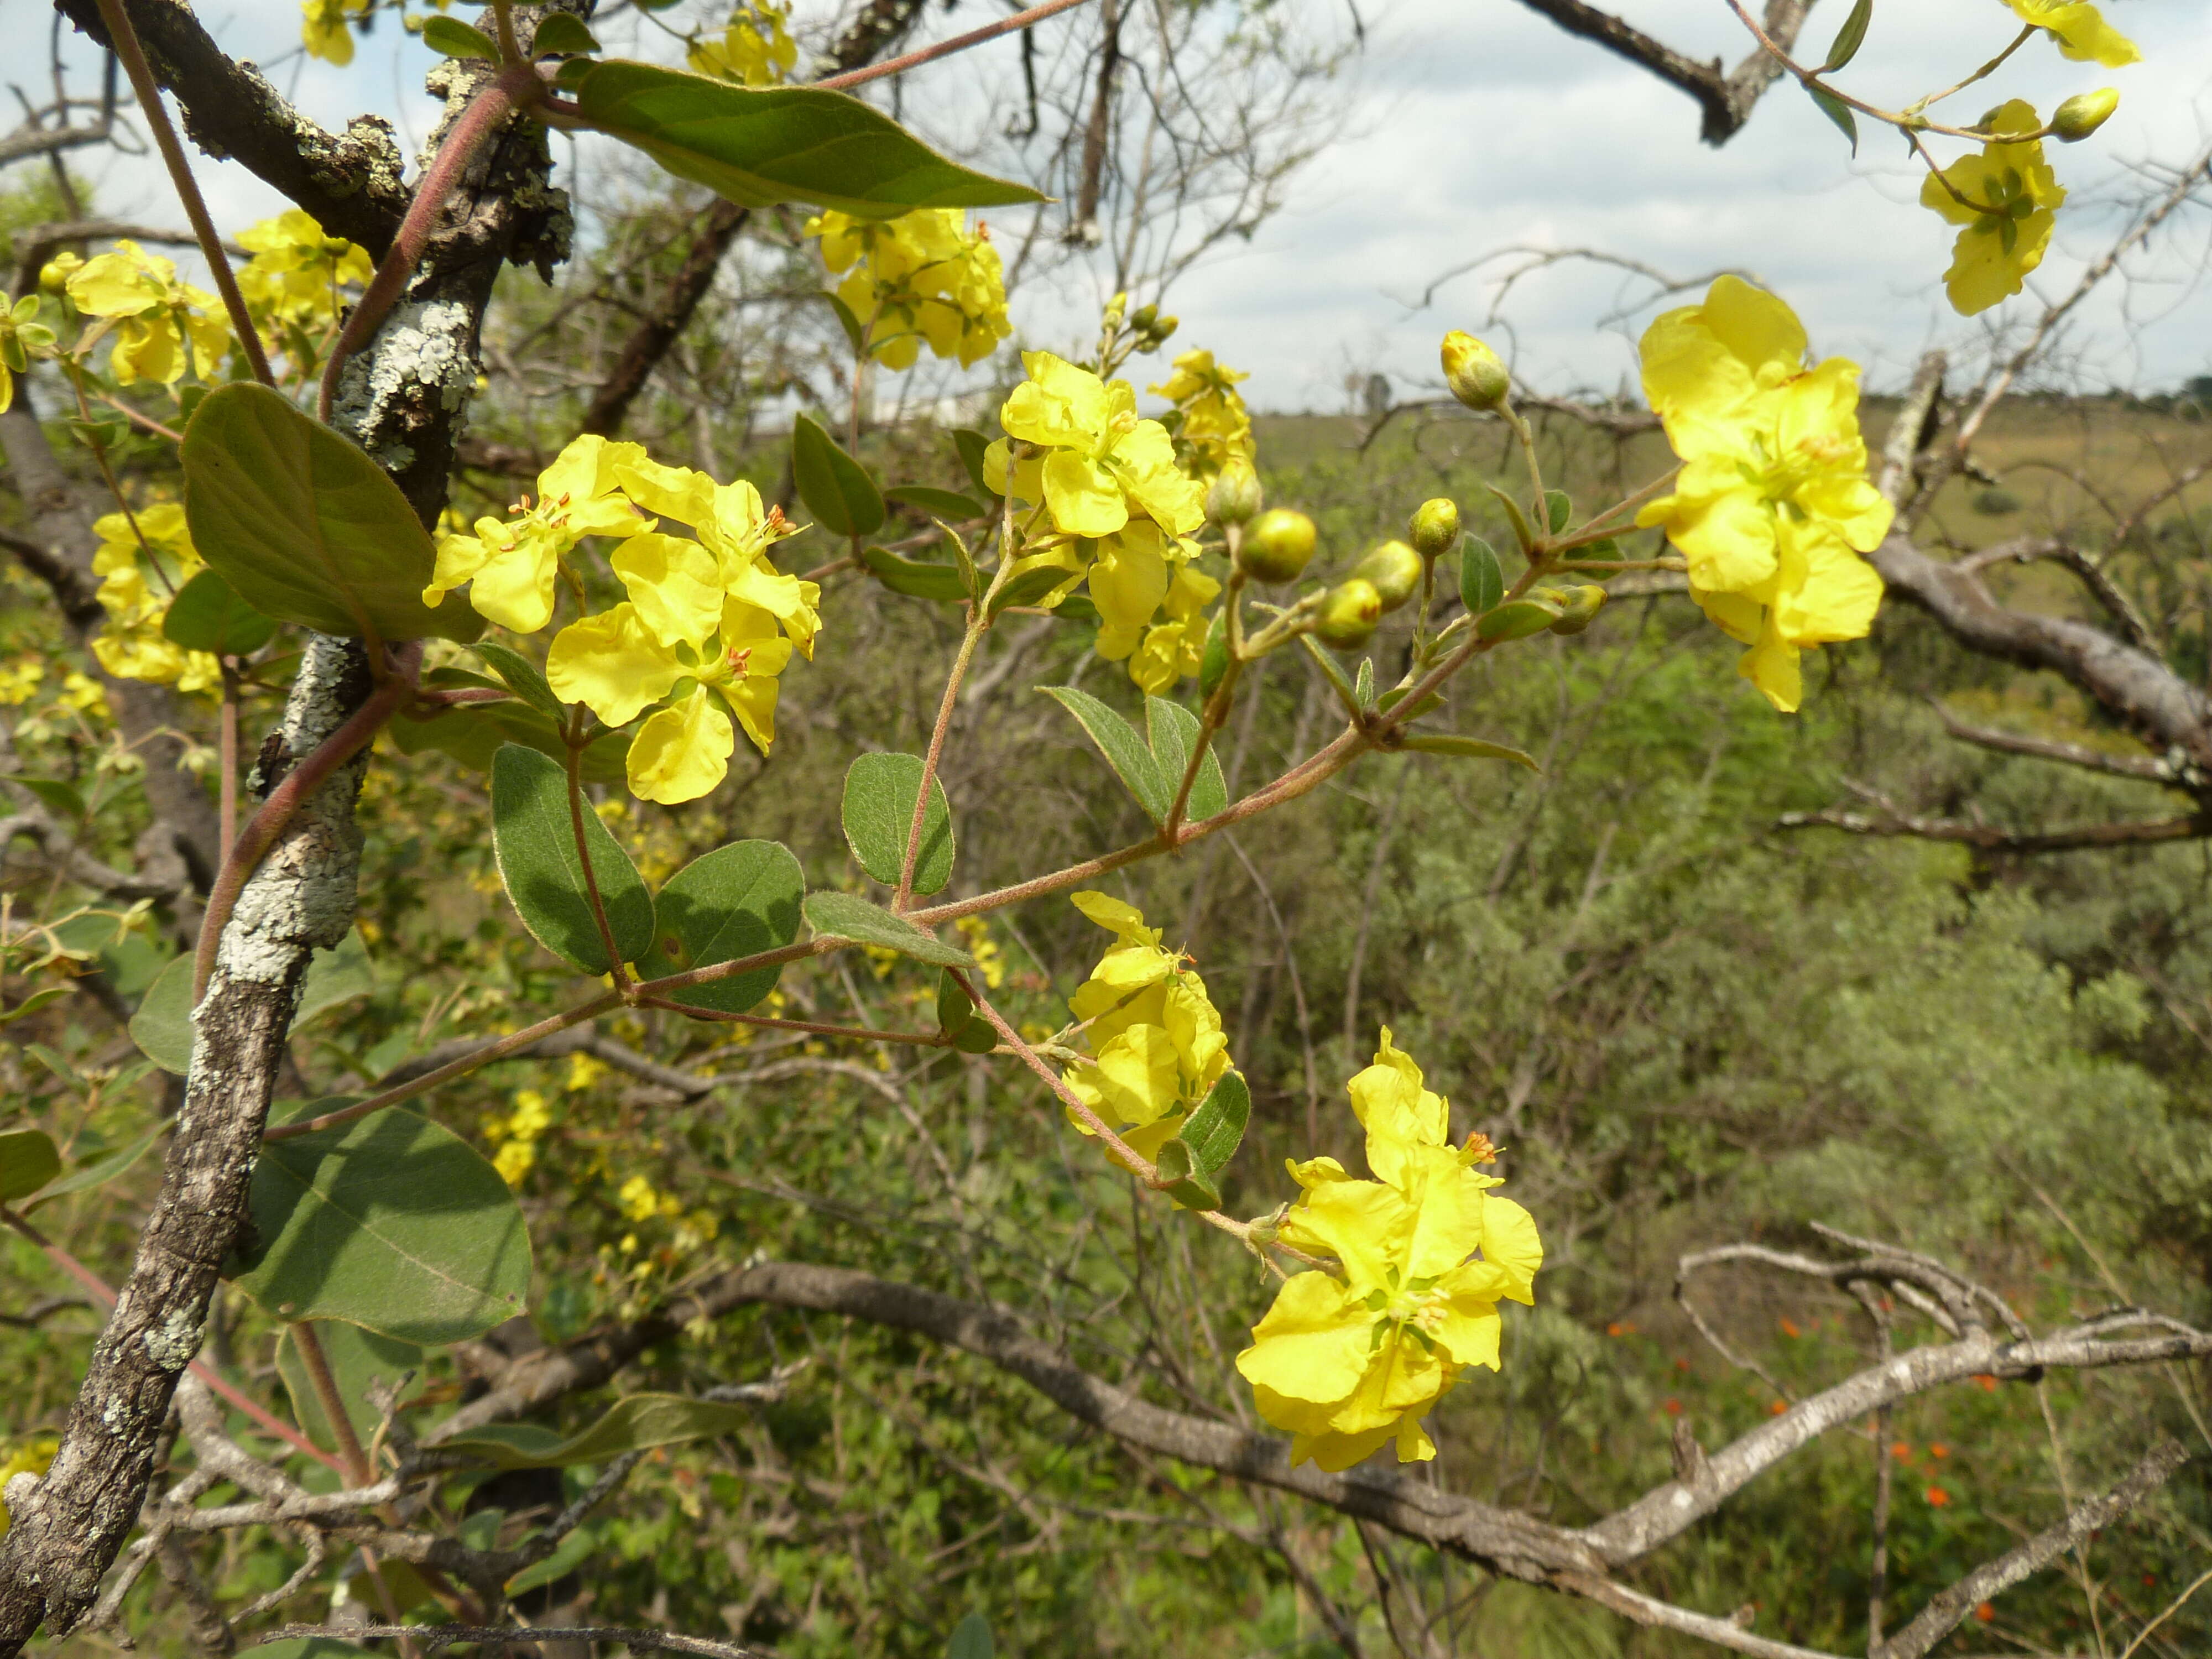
[(682, 752), (612, 664), (1312, 1345)]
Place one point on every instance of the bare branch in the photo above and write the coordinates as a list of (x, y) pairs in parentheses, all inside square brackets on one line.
[(1665, 1615), (2027, 549), (2055, 749), (1990, 839), (1727, 97)]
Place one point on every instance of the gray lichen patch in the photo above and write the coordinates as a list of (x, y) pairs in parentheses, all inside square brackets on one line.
[(420, 363), (173, 1343)]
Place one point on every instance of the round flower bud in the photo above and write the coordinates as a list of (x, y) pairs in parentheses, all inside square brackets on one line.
[(1394, 571), (2083, 113), (1475, 373), (1276, 545), (1164, 327), (1234, 495), (1579, 606), (1434, 528), (52, 275), (1143, 319), (1349, 615)]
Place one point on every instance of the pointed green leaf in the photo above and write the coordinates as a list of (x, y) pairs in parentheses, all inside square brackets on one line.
[(842, 915), (391, 1223), (916, 578), (835, 487), (1558, 509), (449, 37), (1848, 39), (568, 1555), (54, 795), (971, 1639), (533, 837), (516, 671), (304, 527), (33, 1003), (1518, 619), (1516, 518), (356, 1358), (737, 901), (1481, 583), (1173, 732), (27, 1162), (1474, 748), (1214, 660), (878, 815), (1125, 752), (761, 146), (1216, 1130), (559, 33), (636, 1424), (936, 503), (855, 334), (1838, 111), (100, 1170), (1362, 683), (207, 615)]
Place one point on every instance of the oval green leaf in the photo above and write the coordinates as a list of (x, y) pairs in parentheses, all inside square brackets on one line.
[(836, 489), (761, 146), (914, 577), (1173, 731), (1129, 755), (1518, 619), (533, 837), (1482, 581), (391, 1223), (636, 1424), (449, 37), (28, 1161), (844, 915), (737, 901), (945, 504), (1216, 1130), (207, 615), (560, 32), (878, 815), (304, 527)]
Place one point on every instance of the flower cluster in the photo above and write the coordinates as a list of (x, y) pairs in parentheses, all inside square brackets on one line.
[(2008, 199), (921, 278), (143, 559), (1215, 428), (325, 27), (292, 283), (1123, 513), (517, 1135), (1155, 1036), (161, 323), (1773, 498), (21, 333), (708, 623), (1426, 1253), (756, 49)]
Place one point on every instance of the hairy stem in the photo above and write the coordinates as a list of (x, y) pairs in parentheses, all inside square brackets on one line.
[(905, 896)]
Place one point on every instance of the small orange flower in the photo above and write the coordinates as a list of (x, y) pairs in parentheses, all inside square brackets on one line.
[(1900, 1450), (1986, 1383), (1985, 1612), (1778, 1407), (1790, 1329), (1937, 1497), (1672, 1407), (1939, 1451)]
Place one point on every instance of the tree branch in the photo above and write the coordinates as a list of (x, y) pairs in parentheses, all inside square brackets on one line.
[(1990, 839), (2055, 749), (1727, 97)]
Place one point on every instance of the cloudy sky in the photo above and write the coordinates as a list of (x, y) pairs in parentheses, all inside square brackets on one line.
[(1476, 127)]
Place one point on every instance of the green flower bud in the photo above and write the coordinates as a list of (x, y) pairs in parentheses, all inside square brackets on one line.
[(1144, 318), (1164, 327), (1434, 528), (1349, 615), (1234, 495), (1578, 606), (1394, 571), (2083, 113), (1276, 546), (1475, 373)]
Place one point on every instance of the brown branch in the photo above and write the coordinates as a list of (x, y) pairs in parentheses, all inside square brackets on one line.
[(1990, 839), (39, 244), (2055, 749), (641, 353), (2027, 549), (1948, 1610), (1726, 96)]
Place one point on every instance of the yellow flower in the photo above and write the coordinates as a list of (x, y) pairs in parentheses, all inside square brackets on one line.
[(85, 695), (1773, 498), (2014, 197), (297, 269), (1171, 649), (21, 333), (161, 320), (756, 50), (33, 1456), (736, 532), (921, 278), (1216, 427), (513, 566), (136, 584), (515, 1160), (638, 1200), (323, 28), (2080, 29), (1427, 1253), (990, 960), (1155, 1035), (19, 682)]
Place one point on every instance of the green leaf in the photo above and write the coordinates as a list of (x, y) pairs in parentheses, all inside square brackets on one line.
[(835, 487), (207, 615), (473, 733), (54, 795), (560, 34), (737, 901), (957, 1018), (1330, 672), (878, 815), (33, 1003), (1558, 510), (1848, 39), (1838, 111), (1214, 660), (971, 445), (391, 1223), (100, 1171), (571, 1551), (914, 579), (937, 503), (1216, 1130), (1363, 684), (304, 527), (1125, 752), (336, 976), (356, 1358), (842, 915), (27, 1162), (1518, 619), (449, 37), (162, 1025), (571, 74), (533, 837), (1028, 587), (971, 1639), (1185, 1182), (1516, 518), (1474, 748), (856, 336), (1173, 732), (516, 671), (639, 1422), (1481, 583), (761, 146)]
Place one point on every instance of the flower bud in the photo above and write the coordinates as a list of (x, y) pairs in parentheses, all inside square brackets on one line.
[(1349, 614), (1475, 373), (1394, 571), (1276, 545), (1234, 495), (1144, 319), (2083, 113), (1578, 606), (1164, 327), (1434, 528)]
